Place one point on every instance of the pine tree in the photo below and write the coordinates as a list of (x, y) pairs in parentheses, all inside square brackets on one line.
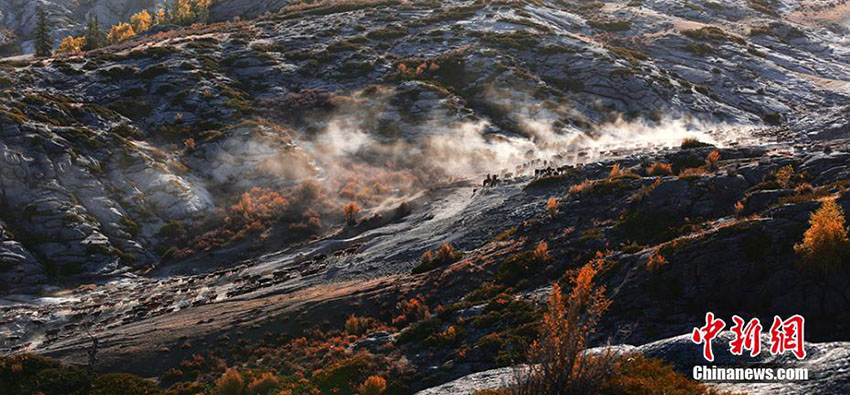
[(43, 41), (94, 37), (170, 10)]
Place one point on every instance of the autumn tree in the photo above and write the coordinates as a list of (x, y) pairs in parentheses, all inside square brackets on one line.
[(71, 44), (185, 12), (558, 361), (825, 243), (93, 35), (120, 32), (141, 21), (43, 41)]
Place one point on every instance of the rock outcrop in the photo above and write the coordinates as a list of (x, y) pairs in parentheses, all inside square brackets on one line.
[(827, 365)]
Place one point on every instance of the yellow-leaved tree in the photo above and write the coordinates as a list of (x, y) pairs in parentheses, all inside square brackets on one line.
[(825, 243), (71, 44), (120, 32), (141, 21)]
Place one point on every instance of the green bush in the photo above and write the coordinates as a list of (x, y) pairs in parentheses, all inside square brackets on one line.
[(29, 374), (123, 384)]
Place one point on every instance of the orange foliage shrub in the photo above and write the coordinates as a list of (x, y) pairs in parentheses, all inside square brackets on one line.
[(692, 172), (263, 384), (446, 253), (357, 325), (616, 171), (259, 205), (804, 188), (189, 143), (541, 252), (712, 159), (374, 385), (552, 206), (411, 310), (646, 190), (350, 212), (584, 186), (656, 260), (660, 169), (230, 383), (739, 208), (825, 243), (692, 142)]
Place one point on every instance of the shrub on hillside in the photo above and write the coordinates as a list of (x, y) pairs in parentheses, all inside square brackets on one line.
[(656, 260), (123, 383), (443, 256), (230, 383), (618, 172), (586, 186), (712, 159), (350, 212), (785, 176), (358, 325), (692, 173), (660, 169), (552, 206), (523, 265), (30, 374), (692, 142), (344, 376), (262, 384), (374, 385), (635, 374), (411, 310)]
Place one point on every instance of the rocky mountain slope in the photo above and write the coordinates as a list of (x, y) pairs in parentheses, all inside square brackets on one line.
[(95, 146), (202, 172), (66, 18)]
